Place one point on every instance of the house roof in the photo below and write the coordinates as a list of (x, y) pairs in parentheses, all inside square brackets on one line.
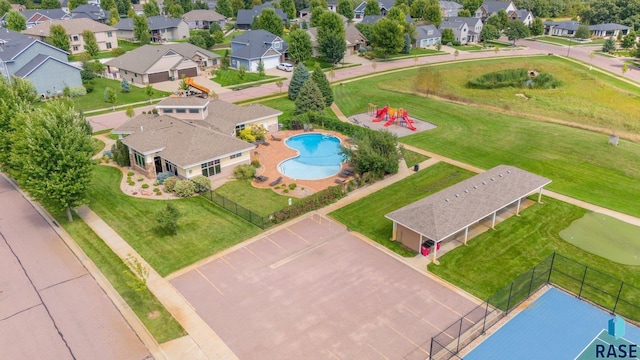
[(71, 26), (90, 11), (206, 15), (386, 4), (353, 35), (450, 5), (183, 101), (522, 14), (608, 27), (361, 7), (225, 116), (456, 25), (564, 25), (45, 14), (155, 23), (495, 6), (179, 141), (257, 44), (427, 32), (470, 21), (448, 211), (245, 17), (38, 61), (141, 59), (13, 43)]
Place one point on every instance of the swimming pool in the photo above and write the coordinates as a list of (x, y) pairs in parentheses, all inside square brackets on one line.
[(318, 157)]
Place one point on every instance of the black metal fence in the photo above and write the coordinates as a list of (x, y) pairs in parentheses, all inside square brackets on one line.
[(260, 221), (592, 285)]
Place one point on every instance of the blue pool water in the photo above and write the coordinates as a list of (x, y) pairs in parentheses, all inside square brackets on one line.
[(319, 157)]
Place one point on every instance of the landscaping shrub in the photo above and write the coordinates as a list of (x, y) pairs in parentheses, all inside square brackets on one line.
[(292, 186), (170, 183), (244, 172), (310, 203), (75, 91), (163, 176), (516, 78), (108, 154), (120, 153), (145, 186), (130, 173), (201, 183), (255, 163), (184, 188), (140, 179)]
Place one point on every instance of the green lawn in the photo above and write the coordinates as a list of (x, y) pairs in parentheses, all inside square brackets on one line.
[(288, 107), (566, 41), (261, 201), (128, 45), (580, 163), (161, 325), (417, 52), (231, 36), (367, 214), (313, 62), (95, 99), (203, 229), (231, 77), (412, 157), (467, 47)]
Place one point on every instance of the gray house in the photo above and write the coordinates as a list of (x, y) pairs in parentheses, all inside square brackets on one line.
[(202, 19), (460, 30), (449, 8), (489, 8), (254, 46), (608, 30), (44, 65), (427, 35), (384, 5), (474, 26), (245, 17), (91, 11), (35, 17), (161, 29)]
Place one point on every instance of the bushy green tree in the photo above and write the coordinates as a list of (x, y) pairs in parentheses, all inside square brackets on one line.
[(237, 5), (202, 38), (488, 33), (75, 3), (58, 37), (447, 36), (299, 45), (464, 13), (50, 4), (107, 4), (372, 8), (309, 99), (90, 43), (317, 8), (388, 37), (120, 153), (583, 32), (271, 22), (260, 68), (345, 9), (515, 30), (331, 37), (123, 6), (110, 95), (15, 21), (472, 5), (419, 8), (4, 7), (432, 14), (537, 27), (175, 11), (168, 217), (151, 8), (320, 78), (366, 30), (55, 156), (375, 152), (299, 77), (629, 40), (289, 8), (124, 86), (114, 17), (224, 8), (141, 29)]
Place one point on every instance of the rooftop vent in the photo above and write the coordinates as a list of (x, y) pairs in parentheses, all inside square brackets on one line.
[(493, 179), (484, 183), (466, 191), (446, 200), (508, 171), (475, 186), (500, 175), (457, 195)]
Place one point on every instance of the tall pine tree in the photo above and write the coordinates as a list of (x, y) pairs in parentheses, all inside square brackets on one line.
[(320, 78), (309, 99), (299, 77)]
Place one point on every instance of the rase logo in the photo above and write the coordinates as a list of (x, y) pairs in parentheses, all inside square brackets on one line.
[(622, 351)]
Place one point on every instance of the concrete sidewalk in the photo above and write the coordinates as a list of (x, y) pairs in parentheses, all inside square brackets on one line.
[(202, 342)]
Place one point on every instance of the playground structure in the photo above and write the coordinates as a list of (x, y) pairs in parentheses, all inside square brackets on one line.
[(194, 90), (390, 116)]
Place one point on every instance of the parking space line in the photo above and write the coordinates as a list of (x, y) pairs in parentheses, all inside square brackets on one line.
[(274, 243), (378, 352), (296, 234), (209, 281), (333, 355), (409, 340), (228, 263), (421, 318), (254, 254), (443, 304)]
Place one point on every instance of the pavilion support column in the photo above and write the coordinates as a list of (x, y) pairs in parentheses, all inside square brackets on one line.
[(466, 234), (420, 246), (435, 253), (395, 231), (493, 222), (518, 208), (540, 196)]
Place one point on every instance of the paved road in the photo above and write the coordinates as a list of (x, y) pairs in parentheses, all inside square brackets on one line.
[(50, 305)]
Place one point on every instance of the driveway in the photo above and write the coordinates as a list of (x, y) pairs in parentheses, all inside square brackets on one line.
[(313, 290), (50, 305)]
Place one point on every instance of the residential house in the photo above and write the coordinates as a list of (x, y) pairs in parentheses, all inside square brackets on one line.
[(161, 29), (254, 46), (91, 11), (245, 17), (449, 8), (560, 28), (18, 7), (385, 5), (202, 19), (157, 142), (105, 35), (44, 65), (353, 37), (524, 16), (608, 30), (474, 25), (427, 35), (460, 30), (372, 19), (306, 12), (35, 17), (150, 64), (489, 8)]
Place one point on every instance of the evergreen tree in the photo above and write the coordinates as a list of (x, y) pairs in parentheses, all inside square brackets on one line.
[(15, 21), (120, 153), (609, 46), (141, 29), (299, 45), (309, 99), (55, 156), (58, 37), (124, 86), (224, 8), (345, 9), (289, 8), (168, 217), (331, 37), (299, 77), (90, 43), (407, 44), (372, 8), (320, 78)]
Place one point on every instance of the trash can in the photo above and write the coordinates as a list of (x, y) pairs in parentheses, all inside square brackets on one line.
[(170, 78), (416, 167)]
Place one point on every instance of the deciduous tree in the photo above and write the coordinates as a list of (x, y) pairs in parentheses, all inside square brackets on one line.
[(151, 8), (489, 32), (114, 17), (388, 37), (299, 45), (427, 81), (224, 8), (515, 30), (583, 32), (345, 9), (447, 36), (432, 15), (141, 29), (90, 43), (537, 27), (58, 37), (372, 8), (375, 152), (75, 3), (289, 8), (331, 37), (4, 7), (50, 4), (271, 22), (629, 40), (15, 21)]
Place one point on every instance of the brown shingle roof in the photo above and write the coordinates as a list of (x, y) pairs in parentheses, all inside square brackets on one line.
[(183, 101), (448, 211), (225, 116), (142, 58), (206, 15), (71, 26)]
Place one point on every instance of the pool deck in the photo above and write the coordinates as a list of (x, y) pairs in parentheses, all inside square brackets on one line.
[(276, 152)]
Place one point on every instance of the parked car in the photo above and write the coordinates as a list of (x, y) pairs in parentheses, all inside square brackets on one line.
[(285, 66)]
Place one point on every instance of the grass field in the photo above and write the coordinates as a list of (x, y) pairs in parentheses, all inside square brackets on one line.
[(580, 163), (203, 229), (608, 237), (261, 201), (95, 99), (411, 157), (288, 107), (566, 41), (231, 77), (161, 325), (367, 214)]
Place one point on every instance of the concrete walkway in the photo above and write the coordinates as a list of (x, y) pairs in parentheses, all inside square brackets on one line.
[(204, 343)]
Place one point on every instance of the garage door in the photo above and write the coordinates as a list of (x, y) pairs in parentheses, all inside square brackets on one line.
[(271, 63), (158, 77), (188, 72)]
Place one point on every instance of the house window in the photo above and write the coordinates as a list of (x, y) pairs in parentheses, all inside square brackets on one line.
[(171, 167), (139, 159), (235, 156), (210, 168), (109, 34), (75, 37), (181, 111), (108, 45), (75, 48), (193, 111), (168, 111), (276, 44), (239, 128)]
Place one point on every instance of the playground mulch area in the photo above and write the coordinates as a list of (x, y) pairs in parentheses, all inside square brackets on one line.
[(367, 119), (314, 290)]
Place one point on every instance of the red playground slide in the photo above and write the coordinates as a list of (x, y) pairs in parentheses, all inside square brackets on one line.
[(392, 119), (380, 114), (409, 122)]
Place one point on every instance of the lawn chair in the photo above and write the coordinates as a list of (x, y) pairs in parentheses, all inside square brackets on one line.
[(340, 181), (310, 127), (263, 142), (276, 181), (355, 121), (261, 178), (305, 127), (345, 173), (275, 138)]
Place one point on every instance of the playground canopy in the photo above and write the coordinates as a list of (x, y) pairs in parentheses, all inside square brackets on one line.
[(447, 212)]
